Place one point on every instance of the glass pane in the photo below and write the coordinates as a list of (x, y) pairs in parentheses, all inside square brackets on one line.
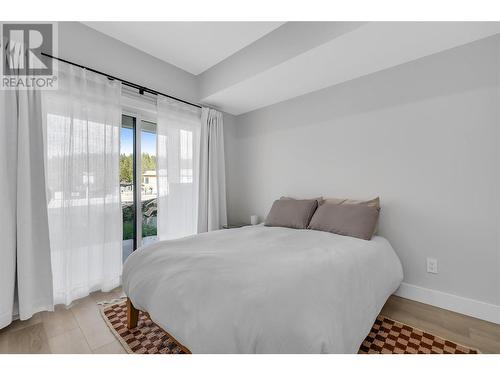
[(127, 184), (149, 191)]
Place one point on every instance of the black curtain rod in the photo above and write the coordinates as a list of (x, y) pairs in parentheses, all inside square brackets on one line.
[(141, 89)]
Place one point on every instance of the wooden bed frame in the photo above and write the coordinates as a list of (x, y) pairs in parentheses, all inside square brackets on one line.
[(133, 319), (132, 315)]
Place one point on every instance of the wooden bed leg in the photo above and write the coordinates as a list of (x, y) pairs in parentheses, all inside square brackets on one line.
[(132, 315)]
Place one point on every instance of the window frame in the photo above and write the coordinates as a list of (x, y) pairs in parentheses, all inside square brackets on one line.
[(139, 115)]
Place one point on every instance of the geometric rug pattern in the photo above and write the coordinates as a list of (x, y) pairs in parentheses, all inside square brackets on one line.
[(386, 337), (146, 338), (390, 337)]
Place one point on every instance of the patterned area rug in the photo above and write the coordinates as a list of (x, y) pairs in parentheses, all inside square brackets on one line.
[(386, 336), (390, 337), (146, 338)]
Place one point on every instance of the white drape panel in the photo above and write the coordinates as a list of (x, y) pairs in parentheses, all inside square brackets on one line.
[(212, 214), (82, 124), (178, 143), (25, 272)]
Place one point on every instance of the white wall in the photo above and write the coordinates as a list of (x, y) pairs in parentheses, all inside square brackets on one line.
[(423, 135), (86, 46)]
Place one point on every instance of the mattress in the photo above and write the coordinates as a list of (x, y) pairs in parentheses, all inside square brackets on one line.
[(262, 289)]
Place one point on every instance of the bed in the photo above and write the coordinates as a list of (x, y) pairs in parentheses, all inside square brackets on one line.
[(261, 289)]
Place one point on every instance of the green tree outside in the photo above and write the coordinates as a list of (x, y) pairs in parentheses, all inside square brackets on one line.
[(148, 163)]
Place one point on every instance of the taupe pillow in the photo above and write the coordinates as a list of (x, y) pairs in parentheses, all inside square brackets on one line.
[(291, 213), (354, 220), (375, 202), (319, 199)]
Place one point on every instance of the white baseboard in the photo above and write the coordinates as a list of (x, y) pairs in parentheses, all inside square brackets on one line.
[(462, 305)]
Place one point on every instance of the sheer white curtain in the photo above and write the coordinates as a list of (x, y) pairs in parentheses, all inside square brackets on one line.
[(212, 213), (178, 144), (25, 275), (82, 125)]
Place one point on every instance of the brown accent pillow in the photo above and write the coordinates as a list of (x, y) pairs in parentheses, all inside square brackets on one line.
[(319, 199), (375, 202), (354, 220), (291, 213)]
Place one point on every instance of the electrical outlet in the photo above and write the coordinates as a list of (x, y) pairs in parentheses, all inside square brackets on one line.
[(432, 265)]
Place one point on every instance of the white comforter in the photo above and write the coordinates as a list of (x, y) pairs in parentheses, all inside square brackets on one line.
[(264, 290)]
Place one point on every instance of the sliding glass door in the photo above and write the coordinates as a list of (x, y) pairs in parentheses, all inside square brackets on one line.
[(149, 183), (128, 184), (138, 182)]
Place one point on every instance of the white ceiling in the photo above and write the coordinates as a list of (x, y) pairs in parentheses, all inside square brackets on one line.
[(192, 46), (366, 49)]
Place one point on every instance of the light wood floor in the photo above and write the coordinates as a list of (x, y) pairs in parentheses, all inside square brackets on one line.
[(462, 329), (81, 329)]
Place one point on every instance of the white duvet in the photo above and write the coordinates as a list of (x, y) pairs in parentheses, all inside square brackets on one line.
[(264, 290)]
